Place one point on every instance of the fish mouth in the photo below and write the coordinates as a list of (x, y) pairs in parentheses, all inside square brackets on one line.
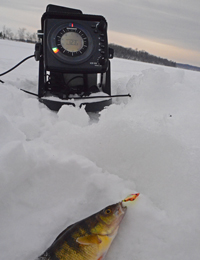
[(121, 204), (119, 214), (121, 210)]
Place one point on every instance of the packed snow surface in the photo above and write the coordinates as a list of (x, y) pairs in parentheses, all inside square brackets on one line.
[(58, 168)]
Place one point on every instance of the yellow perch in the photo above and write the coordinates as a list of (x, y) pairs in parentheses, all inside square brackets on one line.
[(90, 238)]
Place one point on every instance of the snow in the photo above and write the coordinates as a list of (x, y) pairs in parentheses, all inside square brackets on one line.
[(57, 168)]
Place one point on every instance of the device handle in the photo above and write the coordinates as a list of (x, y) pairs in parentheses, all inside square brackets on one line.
[(61, 9)]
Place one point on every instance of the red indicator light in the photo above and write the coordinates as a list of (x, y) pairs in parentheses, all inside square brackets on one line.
[(72, 25)]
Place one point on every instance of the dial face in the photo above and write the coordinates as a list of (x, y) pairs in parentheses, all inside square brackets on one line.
[(72, 41)]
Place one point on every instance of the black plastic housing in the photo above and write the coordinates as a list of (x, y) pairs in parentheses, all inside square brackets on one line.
[(65, 73), (94, 60)]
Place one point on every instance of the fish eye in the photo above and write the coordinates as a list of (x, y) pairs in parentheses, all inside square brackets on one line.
[(107, 211)]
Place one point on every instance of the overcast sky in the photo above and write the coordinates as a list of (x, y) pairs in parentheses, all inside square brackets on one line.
[(166, 28)]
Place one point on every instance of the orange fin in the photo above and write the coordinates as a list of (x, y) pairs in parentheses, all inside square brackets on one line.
[(88, 240)]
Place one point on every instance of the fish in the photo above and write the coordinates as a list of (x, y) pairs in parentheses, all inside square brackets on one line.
[(88, 239)]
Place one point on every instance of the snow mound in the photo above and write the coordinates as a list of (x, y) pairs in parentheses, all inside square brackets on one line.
[(57, 168)]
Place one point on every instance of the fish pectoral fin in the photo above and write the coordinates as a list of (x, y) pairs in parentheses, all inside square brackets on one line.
[(89, 240)]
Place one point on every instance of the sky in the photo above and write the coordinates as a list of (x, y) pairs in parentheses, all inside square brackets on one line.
[(167, 28)]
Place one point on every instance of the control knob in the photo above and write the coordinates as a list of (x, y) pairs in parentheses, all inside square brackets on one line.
[(101, 26), (102, 60)]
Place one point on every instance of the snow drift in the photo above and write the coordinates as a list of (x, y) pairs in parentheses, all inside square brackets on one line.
[(57, 168)]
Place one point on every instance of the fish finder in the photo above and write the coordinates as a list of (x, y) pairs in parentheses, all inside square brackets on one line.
[(73, 53), (77, 43)]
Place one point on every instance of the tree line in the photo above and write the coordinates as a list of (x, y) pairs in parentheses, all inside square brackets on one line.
[(131, 54), (21, 35)]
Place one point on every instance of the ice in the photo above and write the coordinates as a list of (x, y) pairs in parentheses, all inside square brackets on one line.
[(57, 168)]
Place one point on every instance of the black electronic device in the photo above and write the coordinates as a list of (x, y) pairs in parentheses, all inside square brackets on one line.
[(75, 45), (73, 54)]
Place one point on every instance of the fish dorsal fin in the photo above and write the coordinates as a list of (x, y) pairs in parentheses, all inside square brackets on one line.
[(63, 232), (88, 240)]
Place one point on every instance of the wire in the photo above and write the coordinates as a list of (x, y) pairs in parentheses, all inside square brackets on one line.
[(28, 92), (17, 65)]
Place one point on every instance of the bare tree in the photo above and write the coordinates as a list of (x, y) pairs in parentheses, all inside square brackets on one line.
[(7, 33), (31, 37), (34, 37), (28, 37), (21, 34)]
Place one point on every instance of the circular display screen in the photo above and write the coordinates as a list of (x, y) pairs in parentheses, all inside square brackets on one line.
[(71, 41)]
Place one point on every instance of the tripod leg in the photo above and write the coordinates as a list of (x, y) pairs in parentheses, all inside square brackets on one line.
[(106, 82)]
